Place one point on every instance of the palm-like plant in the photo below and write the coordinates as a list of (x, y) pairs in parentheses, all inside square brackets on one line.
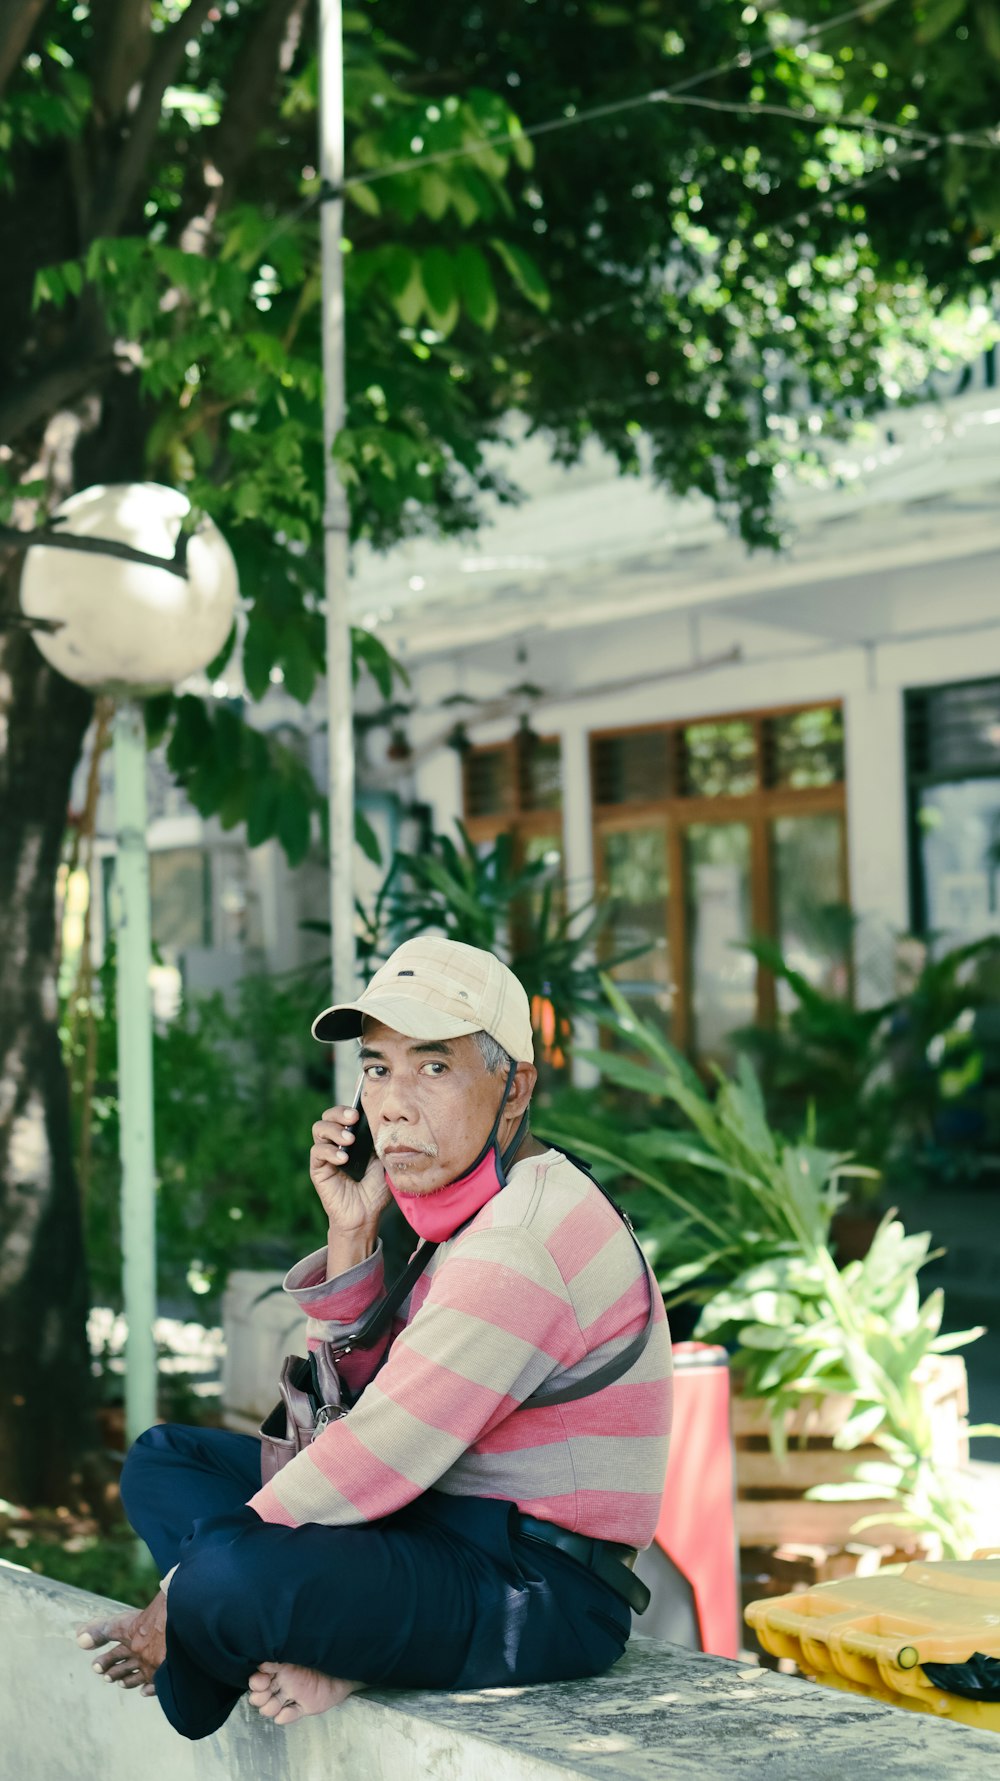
[(484, 897), (747, 1235)]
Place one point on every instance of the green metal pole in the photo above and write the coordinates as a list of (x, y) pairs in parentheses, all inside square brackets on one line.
[(135, 1069), (336, 529)]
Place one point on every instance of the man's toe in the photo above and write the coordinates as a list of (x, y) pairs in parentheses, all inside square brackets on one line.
[(288, 1714)]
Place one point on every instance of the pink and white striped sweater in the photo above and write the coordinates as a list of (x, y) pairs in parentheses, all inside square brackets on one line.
[(542, 1286)]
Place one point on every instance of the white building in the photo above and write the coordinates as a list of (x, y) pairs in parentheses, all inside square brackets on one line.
[(730, 742), (727, 743)]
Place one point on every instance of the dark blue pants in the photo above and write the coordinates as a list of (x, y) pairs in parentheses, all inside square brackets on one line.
[(443, 1594)]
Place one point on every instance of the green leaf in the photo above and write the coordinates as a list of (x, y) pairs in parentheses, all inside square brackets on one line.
[(50, 287), (402, 281), (957, 1339), (365, 198), (369, 649), (262, 808), (938, 16), (850, 1491), (624, 1071), (294, 825), (524, 271), (157, 711), (366, 838), (438, 276), (475, 287), (435, 194), (860, 1425), (298, 664), (260, 652)]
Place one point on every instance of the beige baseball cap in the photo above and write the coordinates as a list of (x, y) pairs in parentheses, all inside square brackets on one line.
[(432, 988)]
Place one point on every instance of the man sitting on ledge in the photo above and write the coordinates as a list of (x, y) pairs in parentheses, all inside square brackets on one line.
[(473, 1519)]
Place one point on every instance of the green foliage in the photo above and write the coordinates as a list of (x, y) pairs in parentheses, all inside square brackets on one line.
[(728, 285), (745, 1232), (234, 1108), (765, 289), (481, 896), (213, 296), (109, 1565), (885, 1082)]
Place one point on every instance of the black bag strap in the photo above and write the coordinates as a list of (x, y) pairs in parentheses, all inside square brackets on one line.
[(381, 1315), (621, 1363)]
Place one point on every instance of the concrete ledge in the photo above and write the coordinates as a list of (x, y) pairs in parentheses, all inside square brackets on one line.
[(662, 1713)]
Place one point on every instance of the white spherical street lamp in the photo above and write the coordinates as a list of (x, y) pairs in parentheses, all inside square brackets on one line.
[(137, 597), (128, 592)]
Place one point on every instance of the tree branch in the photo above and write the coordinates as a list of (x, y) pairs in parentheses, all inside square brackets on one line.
[(267, 50), (128, 166), (33, 403), (18, 19), (123, 42)]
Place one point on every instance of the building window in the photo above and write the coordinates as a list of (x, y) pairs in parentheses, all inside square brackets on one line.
[(515, 788), (953, 763), (180, 903), (707, 835)]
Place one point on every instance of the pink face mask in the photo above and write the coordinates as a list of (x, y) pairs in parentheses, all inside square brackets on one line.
[(437, 1216)]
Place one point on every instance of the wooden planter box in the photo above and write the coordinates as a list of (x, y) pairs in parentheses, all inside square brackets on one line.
[(771, 1506)]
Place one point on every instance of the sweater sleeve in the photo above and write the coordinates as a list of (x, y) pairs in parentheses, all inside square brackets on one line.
[(335, 1310), (496, 1322)]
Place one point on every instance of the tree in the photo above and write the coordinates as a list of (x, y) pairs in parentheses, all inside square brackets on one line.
[(161, 322), (708, 286), (736, 273)]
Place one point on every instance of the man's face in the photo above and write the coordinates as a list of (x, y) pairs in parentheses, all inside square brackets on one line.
[(430, 1104)]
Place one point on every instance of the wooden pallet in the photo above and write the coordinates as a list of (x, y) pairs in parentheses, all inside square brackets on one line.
[(772, 1509)]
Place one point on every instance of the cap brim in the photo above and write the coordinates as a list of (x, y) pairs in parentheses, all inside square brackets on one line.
[(404, 1014)]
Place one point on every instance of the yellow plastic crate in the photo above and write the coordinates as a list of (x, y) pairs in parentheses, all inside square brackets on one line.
[(873, 1635)]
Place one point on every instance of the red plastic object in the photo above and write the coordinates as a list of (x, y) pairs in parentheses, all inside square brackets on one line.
[(697, 1526)]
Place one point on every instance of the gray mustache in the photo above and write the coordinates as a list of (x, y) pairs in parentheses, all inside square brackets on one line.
[(389, 1140)]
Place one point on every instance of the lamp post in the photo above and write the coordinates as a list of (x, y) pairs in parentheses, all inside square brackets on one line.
[(336, 528), (130, 592)]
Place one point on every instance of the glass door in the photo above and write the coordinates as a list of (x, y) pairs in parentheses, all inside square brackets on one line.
[(722, 975), (636, 881), (959, 829)]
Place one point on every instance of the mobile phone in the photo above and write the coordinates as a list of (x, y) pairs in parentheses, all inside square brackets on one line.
[(360, 1153)]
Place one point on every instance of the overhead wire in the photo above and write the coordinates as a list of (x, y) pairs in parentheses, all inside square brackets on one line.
[(680, 94), (674, 94), (572, 119), (825, 203)]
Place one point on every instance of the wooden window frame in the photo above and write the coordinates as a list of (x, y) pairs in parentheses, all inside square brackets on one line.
[(514, 820), (757, 809)]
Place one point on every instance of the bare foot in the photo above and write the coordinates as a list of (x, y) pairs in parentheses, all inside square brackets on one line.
[(285, 1692), (138, 1645)]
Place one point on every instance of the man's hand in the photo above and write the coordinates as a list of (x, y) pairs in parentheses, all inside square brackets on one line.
[(351, 1207), (138, 1644)]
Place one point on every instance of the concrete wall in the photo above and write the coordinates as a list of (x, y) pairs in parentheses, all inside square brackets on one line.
[(659, 1715)]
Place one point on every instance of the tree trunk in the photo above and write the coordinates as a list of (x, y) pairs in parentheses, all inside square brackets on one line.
[(46, 1396)]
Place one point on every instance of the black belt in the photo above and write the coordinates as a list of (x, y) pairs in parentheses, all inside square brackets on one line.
[(611, 1563)]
